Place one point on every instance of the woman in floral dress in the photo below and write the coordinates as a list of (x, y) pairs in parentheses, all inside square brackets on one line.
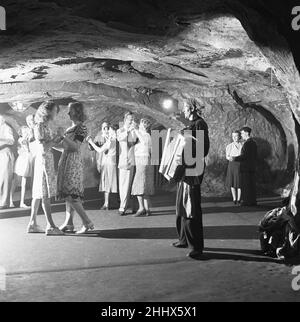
[(70, 170), (44, 182)]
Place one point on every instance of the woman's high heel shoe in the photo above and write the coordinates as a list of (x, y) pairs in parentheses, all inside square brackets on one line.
[(54, 231), (67, 228), (35, 229), (85, 229), (140, 213)]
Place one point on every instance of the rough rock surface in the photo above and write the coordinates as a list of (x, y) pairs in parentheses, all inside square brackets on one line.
[(76, 53)]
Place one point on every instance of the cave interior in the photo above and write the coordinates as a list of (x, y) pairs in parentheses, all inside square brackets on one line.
[(239, 58)]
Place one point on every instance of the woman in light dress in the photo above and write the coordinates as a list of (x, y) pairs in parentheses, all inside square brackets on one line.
[(71, 171), (23, 165), (44, 182), (7, 161), (233, 180), (33, 143), (108, 165), (143, 182)]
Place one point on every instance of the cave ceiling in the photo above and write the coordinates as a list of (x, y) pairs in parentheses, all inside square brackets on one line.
[(133, 54)]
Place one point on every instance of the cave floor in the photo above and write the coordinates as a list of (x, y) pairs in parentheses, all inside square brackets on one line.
[(130, 259)]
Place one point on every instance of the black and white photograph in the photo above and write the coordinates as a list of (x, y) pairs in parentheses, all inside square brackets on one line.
[(149, 153)]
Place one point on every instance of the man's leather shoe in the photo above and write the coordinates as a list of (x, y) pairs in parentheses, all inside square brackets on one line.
[(195, 254), (179, 245)]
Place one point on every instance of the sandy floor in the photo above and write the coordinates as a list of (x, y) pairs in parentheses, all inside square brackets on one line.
[(130, 259)]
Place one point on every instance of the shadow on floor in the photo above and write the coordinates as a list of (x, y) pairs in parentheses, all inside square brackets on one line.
[(209, 255), (210, 232), (233, 250), (216, 210), (93, 206), (227, 232), (163, 199)]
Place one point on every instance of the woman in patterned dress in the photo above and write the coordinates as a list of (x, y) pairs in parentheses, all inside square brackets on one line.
[(108, 167), (44, 182), (143, 183), (70, 170)]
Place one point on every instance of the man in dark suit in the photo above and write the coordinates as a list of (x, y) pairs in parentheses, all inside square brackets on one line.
[(188, 202), (248, 165)]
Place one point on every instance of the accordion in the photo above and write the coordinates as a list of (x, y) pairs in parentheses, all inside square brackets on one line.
[(171, 166)]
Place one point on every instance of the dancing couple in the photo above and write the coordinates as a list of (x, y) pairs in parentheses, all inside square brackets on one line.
[(69, 185)]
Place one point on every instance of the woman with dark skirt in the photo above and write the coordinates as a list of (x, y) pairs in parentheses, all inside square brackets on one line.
[(233, 180)]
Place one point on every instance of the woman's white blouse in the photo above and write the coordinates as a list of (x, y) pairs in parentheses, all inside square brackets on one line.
[(233, 150), (6, 134), (143, 147)]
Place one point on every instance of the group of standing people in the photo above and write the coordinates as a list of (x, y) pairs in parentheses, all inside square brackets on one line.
[(124, 163)]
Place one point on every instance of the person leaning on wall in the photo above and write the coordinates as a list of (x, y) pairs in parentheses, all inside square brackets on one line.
[(248, 160)]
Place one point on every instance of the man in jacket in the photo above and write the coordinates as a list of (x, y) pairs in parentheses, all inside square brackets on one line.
[(126, 139)]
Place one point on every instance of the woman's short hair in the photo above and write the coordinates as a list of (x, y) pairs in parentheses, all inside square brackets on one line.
[(237, 132), (44, 111), (79, 111), (127, 114), (147, 124), (30, 120), (195, 106), (246, 129), (107, 125), (114, 127)]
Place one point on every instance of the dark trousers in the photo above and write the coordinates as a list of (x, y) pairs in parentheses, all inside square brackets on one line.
[(248, 188), (189, 219)]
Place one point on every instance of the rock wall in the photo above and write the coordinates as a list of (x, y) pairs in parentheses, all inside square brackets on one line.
[(270, 140)]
